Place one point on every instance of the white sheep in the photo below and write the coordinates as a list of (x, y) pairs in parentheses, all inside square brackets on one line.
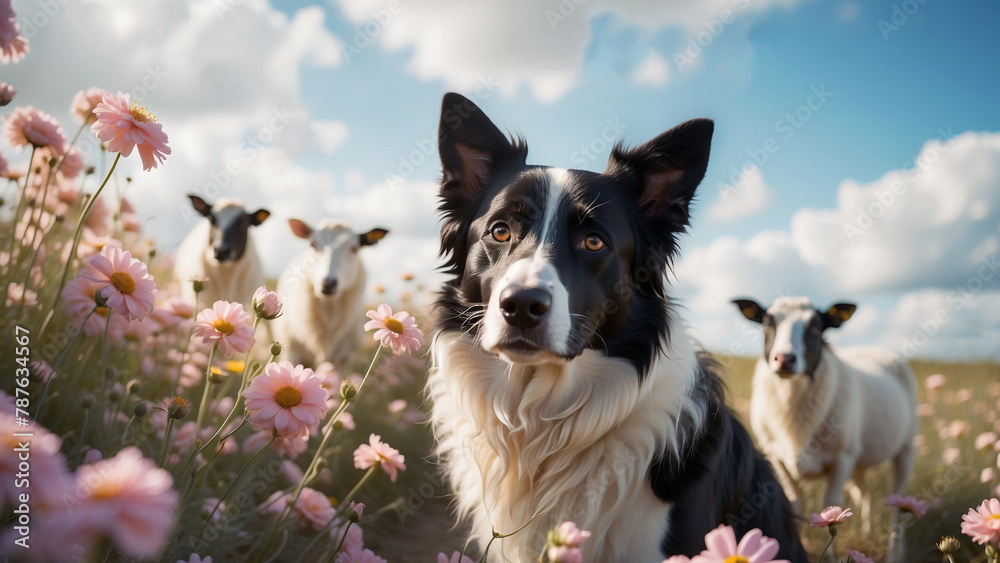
[(818, 412), (322, 290)]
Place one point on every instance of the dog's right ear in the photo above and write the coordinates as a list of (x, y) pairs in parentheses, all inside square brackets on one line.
[(200, 205), (750, 309), (471, 147)]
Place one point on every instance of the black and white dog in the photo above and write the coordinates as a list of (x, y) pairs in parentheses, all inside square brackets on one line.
[(563, 386)]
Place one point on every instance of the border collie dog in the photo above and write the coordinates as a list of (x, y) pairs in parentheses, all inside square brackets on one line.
[(563, 386)]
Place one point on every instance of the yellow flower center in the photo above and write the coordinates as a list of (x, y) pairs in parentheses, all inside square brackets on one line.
[(105, 489), (223, 327), (140, 113), (287, 397), (736, 559), (235, 365), (394, 325), (123, 282), (995, 517)]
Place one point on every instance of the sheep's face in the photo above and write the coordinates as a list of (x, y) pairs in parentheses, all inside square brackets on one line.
[(793, 332), (334, 263), (230, 228)]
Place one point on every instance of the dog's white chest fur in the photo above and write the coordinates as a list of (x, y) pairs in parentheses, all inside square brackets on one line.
[(566, 441)]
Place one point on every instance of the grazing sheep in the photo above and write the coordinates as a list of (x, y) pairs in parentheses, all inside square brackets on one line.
[(322, 291), (824, 413), (221, 249)]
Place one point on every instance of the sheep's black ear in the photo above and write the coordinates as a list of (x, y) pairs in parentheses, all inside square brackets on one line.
[(200, 205), (259, 216), (372, 236), (300, 229), (837, 314), (471, 147), (669, 168), (750, 309)]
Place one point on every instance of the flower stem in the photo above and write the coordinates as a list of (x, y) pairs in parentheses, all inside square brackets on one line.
[(827, 548), (83, 435), (203, 407), (343, 537), (239, 475), (346, 502), (17, 211), (166, 441), (104, 371), (45, 390), (76, 244)]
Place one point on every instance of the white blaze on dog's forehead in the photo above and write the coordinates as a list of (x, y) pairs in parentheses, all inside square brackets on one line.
[(557, 179)]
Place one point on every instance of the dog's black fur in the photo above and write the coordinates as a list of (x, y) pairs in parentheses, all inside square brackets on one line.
[(618, 299)]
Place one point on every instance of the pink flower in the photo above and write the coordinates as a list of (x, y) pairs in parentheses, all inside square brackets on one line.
[(29, 126), (859, 557), (755, 547), (677, 559), (950, 455), (126, 497), (128, 287), (378, 452), (287, 399), (569, 535), (934, 382), (195, 558), (291, 446), (564, 554), (84, 102), (907, 504), (13, 45), (456, 557), (397, 331), (7, 93), (125, 127), (358, 554), (830, 516), (983, 523), (314, 508), (16, 291), (48, 465), (985, 440), (266, 303), (227, 325)]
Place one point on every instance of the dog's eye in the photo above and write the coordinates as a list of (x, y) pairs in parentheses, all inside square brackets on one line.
[(500, 232), (592, 243)]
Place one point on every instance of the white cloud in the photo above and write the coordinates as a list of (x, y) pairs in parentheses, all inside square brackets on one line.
[(538, 44), (925, 271), (653, 71), (751, 195)]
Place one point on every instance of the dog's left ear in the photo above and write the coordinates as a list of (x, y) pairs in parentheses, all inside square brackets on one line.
[(669, 168)]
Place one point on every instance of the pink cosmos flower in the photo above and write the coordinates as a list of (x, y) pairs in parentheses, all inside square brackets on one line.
[(983, 523), (934, 382), (84, 102), (456, 557), (195, 558), (830, 516), (397, 331), (859, 557), (128, 287), (13, 45), (985, 440), (378, 452), (227, 325), (677, 559), (16, 291), (565, 554), (358, 554), (287, 399), (124, 127), (907, 504), (314, 508), (755, 547), (126, 497), (29, 126), (266, 303), (48, 465), (569, 535), (291, 446), (7, 93)]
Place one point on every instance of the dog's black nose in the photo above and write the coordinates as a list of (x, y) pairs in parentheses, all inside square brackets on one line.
[(525, 307), (329, 286)]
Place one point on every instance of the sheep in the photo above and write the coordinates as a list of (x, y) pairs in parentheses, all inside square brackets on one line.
[(818, 412), (221, 250), (322, 291)]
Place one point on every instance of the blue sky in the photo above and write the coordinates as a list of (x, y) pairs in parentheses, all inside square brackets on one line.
[(923, 84)]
